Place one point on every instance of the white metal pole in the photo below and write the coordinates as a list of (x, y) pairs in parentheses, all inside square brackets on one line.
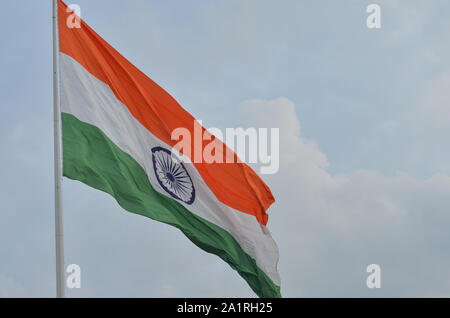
[(59, 239)]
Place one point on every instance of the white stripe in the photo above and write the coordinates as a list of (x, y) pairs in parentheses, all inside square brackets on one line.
[(93, 102)]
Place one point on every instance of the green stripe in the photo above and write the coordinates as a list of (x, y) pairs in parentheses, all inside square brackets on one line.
[(92, 158)]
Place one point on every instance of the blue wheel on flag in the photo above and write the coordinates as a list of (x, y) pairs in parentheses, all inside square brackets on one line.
[(172, 175)]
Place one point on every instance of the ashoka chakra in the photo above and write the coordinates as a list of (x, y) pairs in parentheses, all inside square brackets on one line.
[(172, 175)]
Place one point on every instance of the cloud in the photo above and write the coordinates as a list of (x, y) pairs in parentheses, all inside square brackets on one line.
[(330, 227), (298, 154)]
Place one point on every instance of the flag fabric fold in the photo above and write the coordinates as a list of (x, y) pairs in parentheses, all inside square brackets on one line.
[(116, 135)]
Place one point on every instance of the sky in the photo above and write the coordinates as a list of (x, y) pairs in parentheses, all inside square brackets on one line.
[(364, 118)]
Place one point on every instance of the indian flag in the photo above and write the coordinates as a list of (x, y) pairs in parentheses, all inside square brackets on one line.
[(116, 135)]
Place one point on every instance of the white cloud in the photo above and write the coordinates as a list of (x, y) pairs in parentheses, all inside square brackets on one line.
[(329, 227), (299, 156)]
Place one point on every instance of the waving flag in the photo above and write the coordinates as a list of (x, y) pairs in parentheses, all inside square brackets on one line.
[(116, 133)]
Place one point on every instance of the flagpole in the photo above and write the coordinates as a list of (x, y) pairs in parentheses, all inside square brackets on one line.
[(59, 239)]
